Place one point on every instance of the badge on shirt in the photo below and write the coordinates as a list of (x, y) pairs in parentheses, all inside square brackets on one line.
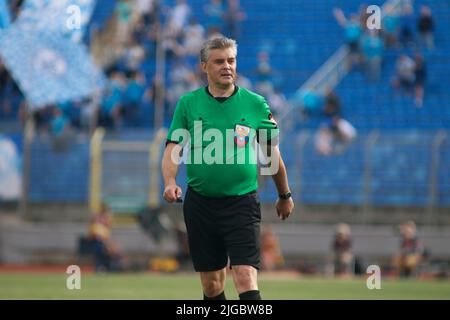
[(241, 135)]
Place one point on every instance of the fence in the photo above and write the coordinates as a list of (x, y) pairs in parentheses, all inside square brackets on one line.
[(125, 174), (402, 169), (378, 169)]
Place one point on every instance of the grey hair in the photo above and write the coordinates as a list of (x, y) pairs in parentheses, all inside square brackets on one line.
[(216, 43)]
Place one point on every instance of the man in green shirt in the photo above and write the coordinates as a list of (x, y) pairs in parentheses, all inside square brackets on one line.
[(219, 124)]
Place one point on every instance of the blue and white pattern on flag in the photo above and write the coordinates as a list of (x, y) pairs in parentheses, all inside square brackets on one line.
[(5, 18), (69, 17), (48, 67)]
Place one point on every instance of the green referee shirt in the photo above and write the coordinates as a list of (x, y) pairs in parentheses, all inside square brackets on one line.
[(221, 136)]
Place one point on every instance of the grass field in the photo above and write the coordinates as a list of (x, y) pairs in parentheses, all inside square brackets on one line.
[(187, 287)]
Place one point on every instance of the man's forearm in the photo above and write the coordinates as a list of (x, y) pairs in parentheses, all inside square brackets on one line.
[(170, 165), (280, 178)]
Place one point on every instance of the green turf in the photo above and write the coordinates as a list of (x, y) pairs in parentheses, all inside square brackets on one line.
[(177, 286)]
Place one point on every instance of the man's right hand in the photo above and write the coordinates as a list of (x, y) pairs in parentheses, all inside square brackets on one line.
[(172, 192)]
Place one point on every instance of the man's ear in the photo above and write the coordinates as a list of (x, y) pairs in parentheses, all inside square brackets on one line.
[(203, 64)]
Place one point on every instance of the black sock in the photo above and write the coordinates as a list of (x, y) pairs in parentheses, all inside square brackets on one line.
[(250, 295), (218, 297)]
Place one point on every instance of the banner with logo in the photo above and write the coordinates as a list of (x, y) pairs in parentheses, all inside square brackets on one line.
[(67, 17), (47, 67)]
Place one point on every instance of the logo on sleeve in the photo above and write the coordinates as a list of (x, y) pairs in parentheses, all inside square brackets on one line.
[(271, 119)]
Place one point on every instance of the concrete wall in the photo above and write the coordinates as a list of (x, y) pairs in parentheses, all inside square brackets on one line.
[(368, 241), (25, 242), (58, 242)]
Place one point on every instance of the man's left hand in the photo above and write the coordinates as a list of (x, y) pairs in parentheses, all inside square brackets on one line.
[(284, 208)]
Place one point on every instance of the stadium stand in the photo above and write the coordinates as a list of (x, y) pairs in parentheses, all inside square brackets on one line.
[(398, 162), (406, 133)]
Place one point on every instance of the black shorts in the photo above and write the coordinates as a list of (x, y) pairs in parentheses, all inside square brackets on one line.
[(222, 228)]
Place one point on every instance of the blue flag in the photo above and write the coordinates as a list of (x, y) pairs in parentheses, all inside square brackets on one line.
[(5, 18), (67, 17), (47, 67)]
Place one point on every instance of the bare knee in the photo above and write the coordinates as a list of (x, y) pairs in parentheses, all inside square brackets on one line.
[(212, 288), (245, 278), (213, 283)]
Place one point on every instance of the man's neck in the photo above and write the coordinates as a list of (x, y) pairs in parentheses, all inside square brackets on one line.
[(221, 91)]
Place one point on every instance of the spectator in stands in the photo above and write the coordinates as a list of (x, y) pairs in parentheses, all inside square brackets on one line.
[(194, 36), (312, 102), (158, 91), (133, 55), (171, 36), (61, 130), (426, 28), (4, 79), (233, 17), (11, 98), (111, 104), (244, 82), (277, 100), (353, 33), (323, 140), (411, 250), (179, 15), (343, 133), (332, 104), (407, 26), (124, 12), (391, 23), (215, 12), (404, 3), (373, 54), (106, 251), (134, 95), (41, 118), (147, 9), (335, 136), (182, 80), (15, 6), (271, 256), (139, 32), (363, 16), (263, 73), (88, 108), (343, 259), (71, 110), (149, 41), (420, 74), (213, 32), (405, 73), (3, 76)]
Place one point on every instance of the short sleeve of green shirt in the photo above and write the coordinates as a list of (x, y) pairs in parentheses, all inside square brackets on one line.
[(267, 127), (179, 122)]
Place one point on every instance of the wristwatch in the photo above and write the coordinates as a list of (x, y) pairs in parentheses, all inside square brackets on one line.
[(285, 196)]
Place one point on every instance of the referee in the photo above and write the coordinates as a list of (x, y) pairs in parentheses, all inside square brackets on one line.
[(220, 123)]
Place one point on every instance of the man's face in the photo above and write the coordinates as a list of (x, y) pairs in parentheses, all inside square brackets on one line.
[(221, 67)]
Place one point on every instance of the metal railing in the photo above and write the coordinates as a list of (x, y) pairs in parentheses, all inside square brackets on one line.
[(393, 170), (378, 171), (330, 74), (125, 174)]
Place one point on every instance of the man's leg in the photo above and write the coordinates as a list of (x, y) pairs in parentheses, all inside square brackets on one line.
[(213, 283), (246, 282)]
